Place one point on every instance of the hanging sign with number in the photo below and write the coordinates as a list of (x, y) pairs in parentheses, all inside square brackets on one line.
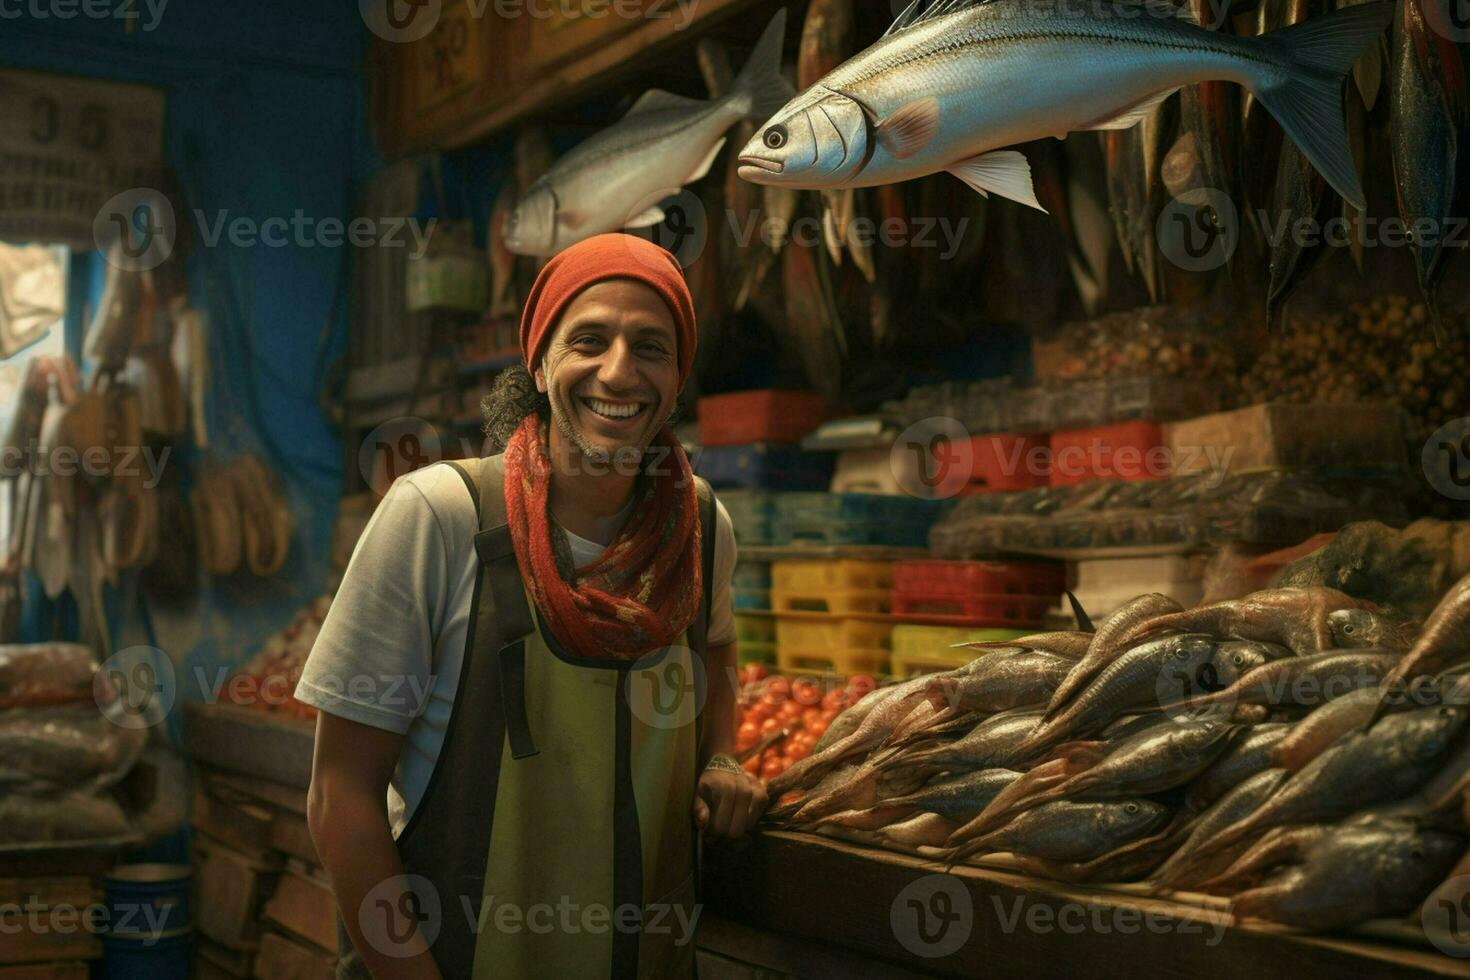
[(68, 145)]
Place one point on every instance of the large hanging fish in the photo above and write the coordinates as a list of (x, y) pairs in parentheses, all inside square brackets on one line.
[(664, 142), (1430, 109), (947, 88)]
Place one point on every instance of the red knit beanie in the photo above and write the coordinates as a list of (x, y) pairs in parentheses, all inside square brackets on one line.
[(615, 255)]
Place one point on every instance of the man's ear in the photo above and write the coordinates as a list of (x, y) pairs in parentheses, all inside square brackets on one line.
[(540, 377)]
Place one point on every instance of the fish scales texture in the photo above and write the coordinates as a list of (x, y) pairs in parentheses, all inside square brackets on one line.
[(1248, 755), (1362, 769), (1235, 805)]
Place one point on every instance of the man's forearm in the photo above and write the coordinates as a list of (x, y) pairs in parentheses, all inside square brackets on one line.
[(355, 844), (719, 705)]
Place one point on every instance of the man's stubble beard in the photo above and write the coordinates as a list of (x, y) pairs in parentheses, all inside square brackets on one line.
[(629, 458)]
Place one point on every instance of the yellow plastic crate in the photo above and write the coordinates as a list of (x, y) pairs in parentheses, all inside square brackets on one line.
[(849, 602), (814, 631), (755, 653), (846, 662), (833, 575), (927, 649), (754, 628)]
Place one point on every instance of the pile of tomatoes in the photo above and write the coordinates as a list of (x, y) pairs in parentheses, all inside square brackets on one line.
[(801, 706)]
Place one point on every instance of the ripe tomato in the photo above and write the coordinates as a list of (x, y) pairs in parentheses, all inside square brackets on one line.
[(769, 725), (752, 765), (758, 672), (790, 713), (771, 767), (776, 689), (759, 712), (746, 735), (810, 716), (799, 750), (817, 728), (859, 685), (834, 699), (804, 691)]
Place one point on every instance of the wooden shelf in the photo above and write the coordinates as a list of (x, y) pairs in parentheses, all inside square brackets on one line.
[(844, 895)]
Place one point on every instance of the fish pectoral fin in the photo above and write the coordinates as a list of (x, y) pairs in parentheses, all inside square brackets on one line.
[(1003, 172), (910, 129), (656, 98), (706, 163), (653, 216), (1135, 114)]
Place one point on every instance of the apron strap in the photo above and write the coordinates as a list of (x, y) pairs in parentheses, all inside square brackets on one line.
[(509, 621)]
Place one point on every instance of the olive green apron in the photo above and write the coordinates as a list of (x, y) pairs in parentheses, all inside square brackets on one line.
[(560, 840)]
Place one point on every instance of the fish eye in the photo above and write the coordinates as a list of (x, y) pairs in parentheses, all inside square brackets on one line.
[(1348, 629), (1130, 808), (775, 137)]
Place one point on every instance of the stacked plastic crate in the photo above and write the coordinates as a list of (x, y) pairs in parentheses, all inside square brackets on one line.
[(748, 451), (832, 615), (937, 604)]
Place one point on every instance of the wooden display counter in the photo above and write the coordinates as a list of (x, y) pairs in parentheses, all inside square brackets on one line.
[(904, 913)]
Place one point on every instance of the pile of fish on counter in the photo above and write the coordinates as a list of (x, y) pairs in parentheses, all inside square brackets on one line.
[(1294, 749)]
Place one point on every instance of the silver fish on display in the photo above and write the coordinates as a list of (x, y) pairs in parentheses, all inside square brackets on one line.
[(617, 178), (946, 89)]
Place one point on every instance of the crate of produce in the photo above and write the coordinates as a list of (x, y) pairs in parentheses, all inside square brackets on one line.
[(818, 631), (855, 508), (751, 575), (751, 513), (960, 578), (876, 471), (974, 610), (1342, 438), (754, 629), (848, 602), (766, 415), (756, 653), (1006, 462), (838, 661), (859, 533), (758, 600), (920, 649), (764, 465), (1125, 451), (832, 575)]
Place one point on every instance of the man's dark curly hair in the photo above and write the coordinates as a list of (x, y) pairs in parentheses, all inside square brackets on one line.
[(512, 397)]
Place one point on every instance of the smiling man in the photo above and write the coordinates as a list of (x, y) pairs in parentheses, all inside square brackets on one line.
[(562, 605)]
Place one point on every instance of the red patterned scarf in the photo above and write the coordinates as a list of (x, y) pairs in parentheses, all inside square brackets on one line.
[(644, 590)]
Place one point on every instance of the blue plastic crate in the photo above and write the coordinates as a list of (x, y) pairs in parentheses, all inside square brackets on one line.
[(904, 534), (752, 575), (819, 508), (765, 465), (757, 599)]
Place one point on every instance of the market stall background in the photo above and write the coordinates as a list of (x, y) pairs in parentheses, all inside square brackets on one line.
[(315, 350)]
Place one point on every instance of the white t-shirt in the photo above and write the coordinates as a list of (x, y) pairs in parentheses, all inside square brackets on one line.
[(390, 650)]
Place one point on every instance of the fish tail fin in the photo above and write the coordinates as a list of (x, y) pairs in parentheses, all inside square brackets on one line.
[(1306, 99), (760, 84)]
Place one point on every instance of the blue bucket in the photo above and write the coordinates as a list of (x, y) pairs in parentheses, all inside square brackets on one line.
[(168, 957), (148, 900)]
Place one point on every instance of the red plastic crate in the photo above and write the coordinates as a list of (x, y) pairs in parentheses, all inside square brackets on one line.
[(1007, 462), (767, 415), (1125, 451), (1022, 611), (963, 578)]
